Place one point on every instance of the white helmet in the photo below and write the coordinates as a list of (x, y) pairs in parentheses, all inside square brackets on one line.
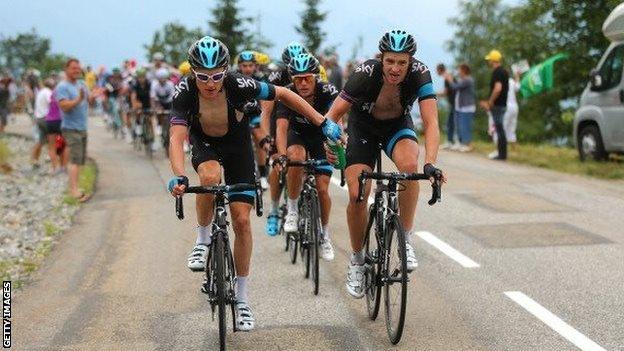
[(162, 73)]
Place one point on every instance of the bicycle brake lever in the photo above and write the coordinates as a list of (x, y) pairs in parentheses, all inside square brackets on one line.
[(179, 207)]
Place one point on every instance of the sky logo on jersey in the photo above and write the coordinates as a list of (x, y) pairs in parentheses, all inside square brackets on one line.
[(328, 88), (368, 69), (183, 85), (246, 82), (419, 67)]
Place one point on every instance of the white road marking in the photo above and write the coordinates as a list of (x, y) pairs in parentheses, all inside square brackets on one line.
[(446, 249), (554, 322)]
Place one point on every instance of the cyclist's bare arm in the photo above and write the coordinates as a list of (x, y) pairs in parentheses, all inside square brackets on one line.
[(338, 109), (176, 148), (265, 116), (281, 135), (429, 113), (298, 104)]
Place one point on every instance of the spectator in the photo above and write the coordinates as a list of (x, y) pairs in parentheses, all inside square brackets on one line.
[(464, 105), (497, 102), (510, 121), (42, 106), (450, 95), (90, 78), (335, 72), (72, 95), (4, 102)]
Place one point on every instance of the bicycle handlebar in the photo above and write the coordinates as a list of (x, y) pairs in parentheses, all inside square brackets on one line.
[(436, 186), (221, 190)]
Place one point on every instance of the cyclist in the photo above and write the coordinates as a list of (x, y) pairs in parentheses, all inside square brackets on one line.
[(208, 105), (296, 137), (247, 66), (114, 89), (162, 92), (140, 96), (279, 77), (380, 94)]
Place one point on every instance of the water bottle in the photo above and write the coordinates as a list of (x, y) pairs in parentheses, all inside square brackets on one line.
[(338, 150)]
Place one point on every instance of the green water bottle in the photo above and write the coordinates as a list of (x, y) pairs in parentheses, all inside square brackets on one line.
[(338, 150)]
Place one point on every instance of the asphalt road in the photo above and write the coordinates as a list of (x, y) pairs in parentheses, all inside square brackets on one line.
[(514, 258)]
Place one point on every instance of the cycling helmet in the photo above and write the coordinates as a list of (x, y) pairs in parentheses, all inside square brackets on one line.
[(246, 56), (293, 49), (116, 70), (162, 73), (303, 64), (208, 52), (141, 72), (184, 68), (398, 41), (158, 56)]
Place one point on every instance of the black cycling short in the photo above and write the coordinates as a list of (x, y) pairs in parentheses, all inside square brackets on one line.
[(313, 143), (236, 158), (365, 137)]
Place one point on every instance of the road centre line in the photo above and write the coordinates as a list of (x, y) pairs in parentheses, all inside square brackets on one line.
[(432, 240), (448, 250), (554, 322)]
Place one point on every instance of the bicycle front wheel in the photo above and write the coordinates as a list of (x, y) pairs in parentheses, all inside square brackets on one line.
[(313, 248), (220, 280), (395, 272)]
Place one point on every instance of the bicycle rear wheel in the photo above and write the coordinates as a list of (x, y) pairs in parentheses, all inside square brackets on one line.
[(373, 267), (219, 273), (149, 138), (395, 271)]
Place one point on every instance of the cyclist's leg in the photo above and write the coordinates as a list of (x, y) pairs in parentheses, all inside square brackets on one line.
[(294, 179), (402, 147)]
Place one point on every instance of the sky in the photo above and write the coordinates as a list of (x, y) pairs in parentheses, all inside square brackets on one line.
[(107, 32)]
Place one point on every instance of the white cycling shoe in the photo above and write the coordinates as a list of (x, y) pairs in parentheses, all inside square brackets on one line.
[(197, 258), (244, 317), (264, 183), (291, 223), (412, 262), (327, 250), (356, 280)]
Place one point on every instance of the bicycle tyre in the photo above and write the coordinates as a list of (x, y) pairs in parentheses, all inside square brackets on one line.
[(395, 319), (373, 267), (220, 285), (313, 247)]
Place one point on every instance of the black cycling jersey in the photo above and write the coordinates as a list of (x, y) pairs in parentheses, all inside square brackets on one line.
[(364, 85), (280, 77), (142, 92), (240, 91), (324, 95), (113, 86)]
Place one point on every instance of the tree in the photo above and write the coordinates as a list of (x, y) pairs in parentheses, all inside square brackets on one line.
[(534, 30), (24, 50), (173, 40), (257, 41), (310, 28), (229, 26)]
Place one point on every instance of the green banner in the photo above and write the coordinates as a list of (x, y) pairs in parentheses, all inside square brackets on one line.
[(540, 77)]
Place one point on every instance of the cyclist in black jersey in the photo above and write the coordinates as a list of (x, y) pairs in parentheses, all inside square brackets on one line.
[(246, 62), (297, 138), (380, 94), (209, 105), (269, 122), (140, 97)]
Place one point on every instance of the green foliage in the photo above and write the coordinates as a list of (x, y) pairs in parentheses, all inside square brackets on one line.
[(533, 30), (5, 152), (310, 27), (24, 50), (173, 40)]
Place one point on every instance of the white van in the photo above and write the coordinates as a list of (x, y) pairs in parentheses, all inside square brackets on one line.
[(599, 122)]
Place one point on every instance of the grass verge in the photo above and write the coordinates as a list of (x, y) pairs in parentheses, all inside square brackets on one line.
[(562, 159)]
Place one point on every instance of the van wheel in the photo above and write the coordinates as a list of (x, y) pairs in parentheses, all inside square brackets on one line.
[(590, 144)]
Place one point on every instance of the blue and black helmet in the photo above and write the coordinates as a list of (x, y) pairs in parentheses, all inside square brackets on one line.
[(398, 41), (303, 64), (246, 56), (208, 52), (292, 50)]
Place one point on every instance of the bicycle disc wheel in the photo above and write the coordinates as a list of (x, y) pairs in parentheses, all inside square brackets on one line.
[(373, 268), (221, 288), (313, 248), (395, 289)]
